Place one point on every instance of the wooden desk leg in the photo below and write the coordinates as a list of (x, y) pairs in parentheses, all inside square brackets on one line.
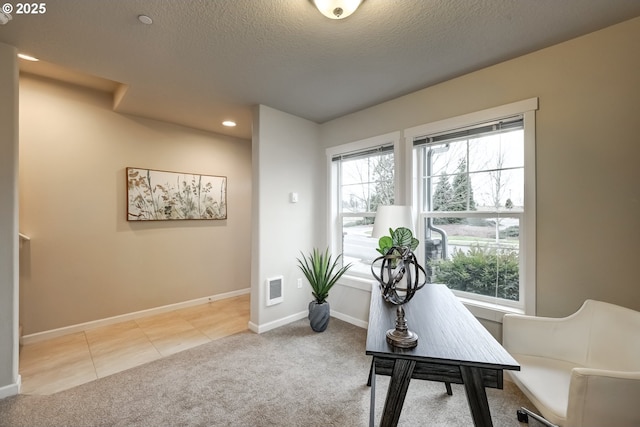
[(372, 402), (402, 371), (448, 387), (476, 396)]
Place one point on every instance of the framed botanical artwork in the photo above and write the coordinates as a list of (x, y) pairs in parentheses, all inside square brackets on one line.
[(155, 195)]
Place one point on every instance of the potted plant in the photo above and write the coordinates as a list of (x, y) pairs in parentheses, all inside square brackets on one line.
[(322, 272), (400, 237)]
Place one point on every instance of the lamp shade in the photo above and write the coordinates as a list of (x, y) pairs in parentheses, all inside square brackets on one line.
[(337, 9), (391, 216)]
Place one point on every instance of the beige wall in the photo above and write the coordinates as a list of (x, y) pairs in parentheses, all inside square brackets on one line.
[(588, 154), (85, 261)]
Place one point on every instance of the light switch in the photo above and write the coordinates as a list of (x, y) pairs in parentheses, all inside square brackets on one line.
[(293, 197)]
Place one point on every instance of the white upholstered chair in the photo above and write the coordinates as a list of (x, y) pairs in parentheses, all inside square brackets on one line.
[(582, 370)]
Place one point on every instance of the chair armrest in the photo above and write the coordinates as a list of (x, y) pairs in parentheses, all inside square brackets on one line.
[(600, 397), (565, 338)]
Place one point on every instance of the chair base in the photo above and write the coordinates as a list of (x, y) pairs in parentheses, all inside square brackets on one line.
[(523, 415)]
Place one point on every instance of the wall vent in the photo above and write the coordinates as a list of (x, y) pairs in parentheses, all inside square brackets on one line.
[(274, 290)]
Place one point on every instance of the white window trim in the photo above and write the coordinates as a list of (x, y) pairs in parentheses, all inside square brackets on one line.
[(527, 108), (333, 227)]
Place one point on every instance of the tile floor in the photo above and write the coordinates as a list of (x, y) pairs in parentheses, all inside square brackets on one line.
[(57, 364)]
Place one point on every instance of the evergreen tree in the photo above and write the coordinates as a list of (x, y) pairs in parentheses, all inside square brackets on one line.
[(462, 190), (442, 195), (508, 204)]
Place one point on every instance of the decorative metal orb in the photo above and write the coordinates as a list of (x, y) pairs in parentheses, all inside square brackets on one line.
[(399, 263)]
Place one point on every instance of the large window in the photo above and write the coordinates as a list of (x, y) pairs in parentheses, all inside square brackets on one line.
[(473, 184), (363, 178)]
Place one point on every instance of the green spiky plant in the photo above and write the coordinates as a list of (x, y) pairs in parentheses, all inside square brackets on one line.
[(322, 272)]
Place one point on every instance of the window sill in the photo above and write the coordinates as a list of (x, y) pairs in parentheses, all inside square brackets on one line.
[(480, 309), (488, 311), (356, 282)]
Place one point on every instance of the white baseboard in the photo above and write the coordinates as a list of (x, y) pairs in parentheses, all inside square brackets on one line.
[(11, 389), (258, 329), (301, 315), (350, 319), (81, 327)]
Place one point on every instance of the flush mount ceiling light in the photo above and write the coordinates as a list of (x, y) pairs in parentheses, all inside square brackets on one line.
[(337, 9), (145, 19), (5, 16), (229, 123)]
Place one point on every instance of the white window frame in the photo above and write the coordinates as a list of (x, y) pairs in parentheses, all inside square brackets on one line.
[(482, 308), (334, 218)]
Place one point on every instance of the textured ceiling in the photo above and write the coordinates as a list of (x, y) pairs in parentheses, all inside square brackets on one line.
[(204, 61)]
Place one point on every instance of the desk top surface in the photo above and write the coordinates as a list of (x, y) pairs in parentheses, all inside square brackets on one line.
[(447, 331)]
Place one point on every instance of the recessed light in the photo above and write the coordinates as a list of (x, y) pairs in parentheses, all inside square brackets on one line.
[(27, 57), (145, 19), (5, 16), (229, 123)]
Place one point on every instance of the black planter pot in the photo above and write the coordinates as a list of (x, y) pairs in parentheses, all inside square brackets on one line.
[(319, 315)]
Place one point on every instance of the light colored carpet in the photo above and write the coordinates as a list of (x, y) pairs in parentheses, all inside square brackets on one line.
[(290, 376)]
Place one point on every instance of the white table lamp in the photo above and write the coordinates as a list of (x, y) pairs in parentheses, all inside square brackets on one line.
[(391, 216)]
